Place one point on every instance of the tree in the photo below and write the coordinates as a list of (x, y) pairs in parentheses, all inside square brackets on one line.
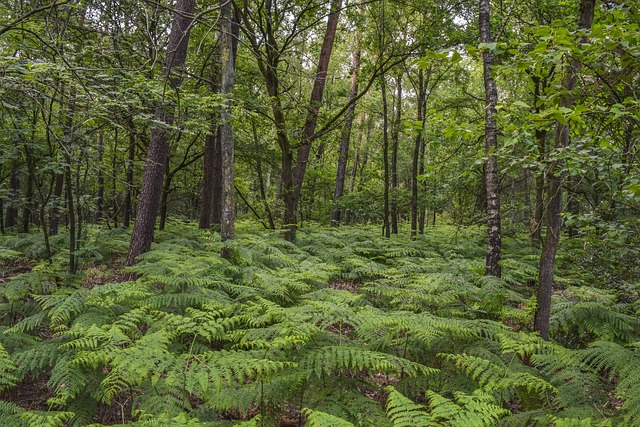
[(557, 173), (346, 136), (494, 238), (151, 190), (227, 53)]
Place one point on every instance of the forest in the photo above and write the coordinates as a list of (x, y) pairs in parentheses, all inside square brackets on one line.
[(302, 213)]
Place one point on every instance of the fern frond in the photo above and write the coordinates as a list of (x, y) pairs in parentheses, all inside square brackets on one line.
[(322, 419), (494, 377), (621, 361), (403, 412), (325, 360), (595, 318)]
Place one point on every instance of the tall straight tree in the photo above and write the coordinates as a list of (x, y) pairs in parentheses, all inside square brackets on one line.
[(421, 92), (346, 136), (395, 142), (292, 198), (227, 53), (150, 192), (556, 175), (494, 244), (385, 156)]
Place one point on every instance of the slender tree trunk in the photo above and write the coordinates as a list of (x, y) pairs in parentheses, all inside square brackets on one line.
[(538, 215), (395, 140), (100, 196), (14, 194), (128, 195), (541, 142), (57, 203), (71, 213), (356, 154), (345, 137), (385, 156), (356, 162), (261, 185), (114, 181), (423, 211), (556, 175), (226, 141), (416, 154), (28, 206), (206, 193), (151, 189), (494, 245), (313, 110), (164, 202)]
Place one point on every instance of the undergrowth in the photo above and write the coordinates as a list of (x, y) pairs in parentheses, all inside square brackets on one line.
[(342, 328)]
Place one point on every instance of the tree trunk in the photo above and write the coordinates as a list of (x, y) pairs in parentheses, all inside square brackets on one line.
[(128, 202), (29, 205), (313, 110), (261, 185), (421, 168), (345, 137), (356, 162), (72, 217), (556, 174), (164, 202), (208, 179), (494, 243), (57, 202), (100, 196), (541, 142), (227, 61), (395, 140), (421, 101), (385, 156), (11, 217), (151, 189)]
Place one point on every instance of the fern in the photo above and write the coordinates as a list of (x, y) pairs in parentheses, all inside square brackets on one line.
[(494, 377), (326, 360), (623, 362), (7, 369), (321, 419), (405, 413), (595, 318)]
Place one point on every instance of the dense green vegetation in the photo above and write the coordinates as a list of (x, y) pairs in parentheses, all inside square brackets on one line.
[(342, 327), (437, 206)]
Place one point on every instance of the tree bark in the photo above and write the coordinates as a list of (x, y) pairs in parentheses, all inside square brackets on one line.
[(57, 202), (164, 202), (151, 189), (100, 196), (421, 101), (494, 238), (261, 185), (556, 174), (11, 217), (313, 110), (385, 156), (227, 52), (541, 137), (72, 217), (345, 137), (395, 140), (29, 205)]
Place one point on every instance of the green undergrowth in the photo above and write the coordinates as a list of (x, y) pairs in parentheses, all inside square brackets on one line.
[(340, 328)]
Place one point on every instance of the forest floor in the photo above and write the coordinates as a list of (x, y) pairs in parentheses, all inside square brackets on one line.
[(342, 327)]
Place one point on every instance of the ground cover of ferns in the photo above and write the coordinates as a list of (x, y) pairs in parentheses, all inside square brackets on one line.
[(340, 328)]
